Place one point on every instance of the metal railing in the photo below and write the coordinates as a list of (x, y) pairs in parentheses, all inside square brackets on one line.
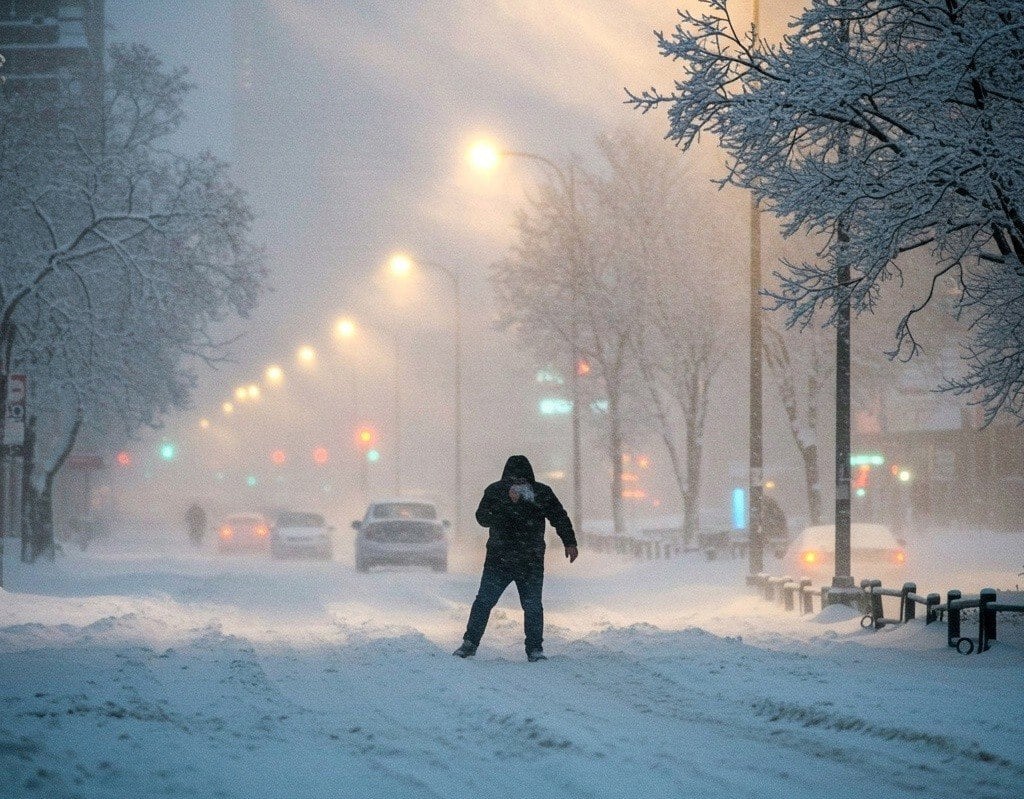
[(988, 607), (789, 593), (909, 600), (634, 546), (799, 595)]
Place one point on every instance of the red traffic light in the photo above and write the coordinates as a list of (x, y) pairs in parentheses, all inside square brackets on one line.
[(124, 459), (278, 457), (321, 456)]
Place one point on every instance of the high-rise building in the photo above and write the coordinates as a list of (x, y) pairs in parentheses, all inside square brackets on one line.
[(53, 44)]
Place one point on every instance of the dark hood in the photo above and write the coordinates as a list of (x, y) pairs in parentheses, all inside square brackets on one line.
[(518, 466)]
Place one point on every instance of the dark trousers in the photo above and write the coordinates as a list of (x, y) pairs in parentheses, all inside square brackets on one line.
[(529, 580)]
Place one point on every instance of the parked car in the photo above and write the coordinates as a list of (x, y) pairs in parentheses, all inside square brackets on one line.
[(872, 546), (243, 532), (401, 532), (296, 533)]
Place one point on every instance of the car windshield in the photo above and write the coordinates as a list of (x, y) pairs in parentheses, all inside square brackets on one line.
[(300, 520), (404, 510)]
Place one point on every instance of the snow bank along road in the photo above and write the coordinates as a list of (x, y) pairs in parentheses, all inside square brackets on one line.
[(179, 674)]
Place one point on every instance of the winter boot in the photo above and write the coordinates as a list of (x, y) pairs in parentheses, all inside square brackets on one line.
[(467, 650), (536, 654)]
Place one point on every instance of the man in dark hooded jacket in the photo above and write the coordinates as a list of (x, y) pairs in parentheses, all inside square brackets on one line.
[(515, 509)]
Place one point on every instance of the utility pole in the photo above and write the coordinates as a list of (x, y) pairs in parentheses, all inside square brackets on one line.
[(842, 581), (756, 473)]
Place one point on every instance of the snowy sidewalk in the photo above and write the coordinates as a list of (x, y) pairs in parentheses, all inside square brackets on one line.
[(182, 675)]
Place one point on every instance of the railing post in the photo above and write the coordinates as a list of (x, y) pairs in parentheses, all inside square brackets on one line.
[(806, 598), (986, 618), (908, 611), (952, 617), (931, 602)]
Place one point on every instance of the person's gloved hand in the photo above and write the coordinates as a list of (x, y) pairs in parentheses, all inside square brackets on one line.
[(572, 553)]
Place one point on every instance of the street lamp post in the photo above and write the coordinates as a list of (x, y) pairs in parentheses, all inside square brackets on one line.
[(345, 329), (486, 157), (400, 265), (756, 470)]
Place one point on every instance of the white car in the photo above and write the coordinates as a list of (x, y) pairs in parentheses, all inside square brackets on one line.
[(872, 547), (298, 534), (401, 532)]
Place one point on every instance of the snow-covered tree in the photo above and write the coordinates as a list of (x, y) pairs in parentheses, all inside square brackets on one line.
[(907, 128), (120, 257), (567, 294), (676, 339), (802, 366), (603, 271)]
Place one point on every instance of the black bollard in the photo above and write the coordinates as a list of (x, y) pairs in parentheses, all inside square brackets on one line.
[(909, 610), (952, 617), (986, 618), (931, 603)]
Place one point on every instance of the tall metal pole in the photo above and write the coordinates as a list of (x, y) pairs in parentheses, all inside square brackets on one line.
[(453, 276), (568, 184), (843, 579), (756, 474), (398, 418), (458, 404)]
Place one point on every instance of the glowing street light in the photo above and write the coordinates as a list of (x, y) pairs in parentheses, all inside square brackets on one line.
[(253, 391), (400, 264), (227, 408), (241, 394), (274, 375), (204, 424), (306, 355), (483, 155), (345, 328)]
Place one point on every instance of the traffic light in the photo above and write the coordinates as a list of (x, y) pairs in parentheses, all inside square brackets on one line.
[(124, 459), (278, 457), (373, 456), (168, 451), (321, 456), (366, 437)]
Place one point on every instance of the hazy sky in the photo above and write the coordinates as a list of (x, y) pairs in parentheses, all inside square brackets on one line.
[(357, 128)]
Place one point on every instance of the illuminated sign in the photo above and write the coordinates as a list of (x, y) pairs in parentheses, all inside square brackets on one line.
[(867, 459), (739, 509), (554, 406)]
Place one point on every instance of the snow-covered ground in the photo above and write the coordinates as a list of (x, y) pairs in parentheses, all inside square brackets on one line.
[(140, 671)]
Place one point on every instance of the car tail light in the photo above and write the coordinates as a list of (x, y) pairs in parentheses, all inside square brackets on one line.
[(226, 532), (262, 531), (810, 557)]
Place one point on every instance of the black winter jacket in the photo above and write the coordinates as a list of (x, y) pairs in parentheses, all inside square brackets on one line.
[(517, 528)]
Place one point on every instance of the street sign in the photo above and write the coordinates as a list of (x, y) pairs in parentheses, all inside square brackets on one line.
[(14, 410)]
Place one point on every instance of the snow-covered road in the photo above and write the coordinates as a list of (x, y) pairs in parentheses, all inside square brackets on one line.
[(169, 673)]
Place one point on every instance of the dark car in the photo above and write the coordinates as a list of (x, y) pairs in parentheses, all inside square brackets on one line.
[(243, 532)]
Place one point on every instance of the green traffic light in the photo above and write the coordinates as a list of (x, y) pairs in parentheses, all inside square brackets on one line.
[(168, 451), (373, 456)]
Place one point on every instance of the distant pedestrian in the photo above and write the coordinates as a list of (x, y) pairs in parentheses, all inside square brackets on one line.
[(195, 522), (515, 509), (774, 526)]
